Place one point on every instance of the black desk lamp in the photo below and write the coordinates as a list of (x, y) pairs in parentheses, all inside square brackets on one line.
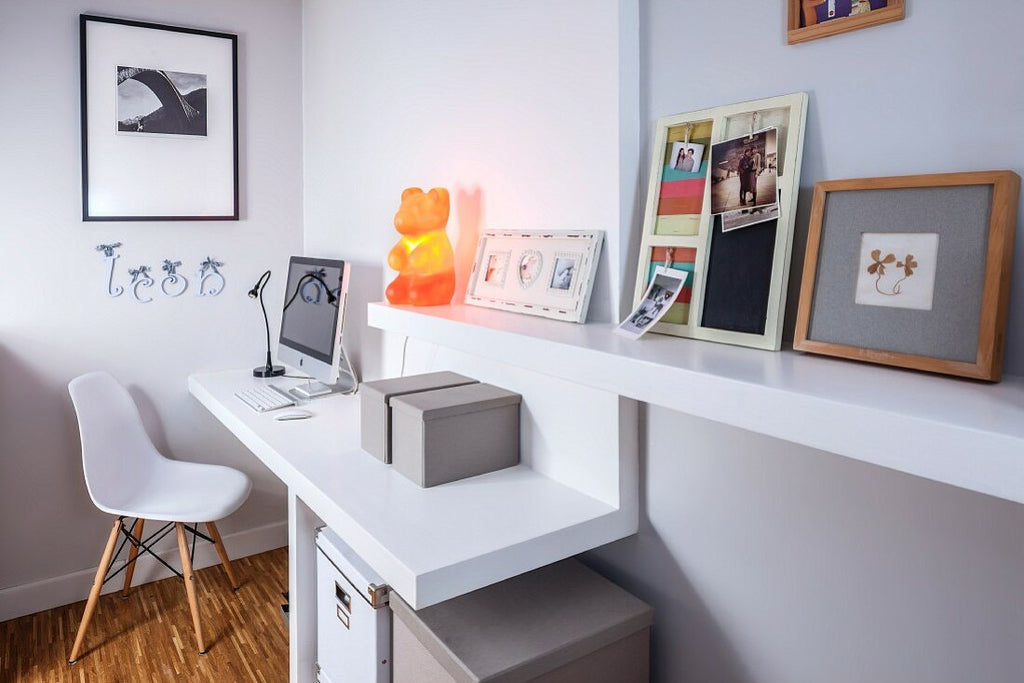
[(268, 370)]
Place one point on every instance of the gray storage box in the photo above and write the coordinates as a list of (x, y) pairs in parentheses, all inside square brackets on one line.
[(448, 434), (563, 623), (375, 413)]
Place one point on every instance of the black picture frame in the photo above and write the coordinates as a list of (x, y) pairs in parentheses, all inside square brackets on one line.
[(143, 173)]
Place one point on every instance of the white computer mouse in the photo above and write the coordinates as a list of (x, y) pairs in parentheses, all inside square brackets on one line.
[(293, 415)]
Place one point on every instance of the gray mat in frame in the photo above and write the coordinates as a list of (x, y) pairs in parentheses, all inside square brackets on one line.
[(960, 216)]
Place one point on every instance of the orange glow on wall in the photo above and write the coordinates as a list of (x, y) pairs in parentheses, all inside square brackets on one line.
[(423, 256)]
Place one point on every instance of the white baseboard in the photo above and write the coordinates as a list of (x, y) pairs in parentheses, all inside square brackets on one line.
[(30, 598)]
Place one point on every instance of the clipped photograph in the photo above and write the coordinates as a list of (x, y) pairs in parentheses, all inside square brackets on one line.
[(663, 290), (686, 156), (160, 102), (744, 172), (734, 220)]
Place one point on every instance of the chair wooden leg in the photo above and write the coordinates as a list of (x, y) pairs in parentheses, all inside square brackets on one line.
[(190, 586), (133, 552), (222, 551), (94, 594)]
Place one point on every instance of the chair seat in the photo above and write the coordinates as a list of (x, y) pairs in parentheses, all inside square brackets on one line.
[(177, 491)]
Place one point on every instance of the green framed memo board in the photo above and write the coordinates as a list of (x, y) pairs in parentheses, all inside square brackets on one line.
[(721, 206)]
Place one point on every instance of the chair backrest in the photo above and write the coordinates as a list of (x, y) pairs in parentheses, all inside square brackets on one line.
[(117, 454)]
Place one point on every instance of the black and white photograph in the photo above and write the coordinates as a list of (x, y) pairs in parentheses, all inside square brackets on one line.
[(160, 102), (686, 156), (663, 290), (744, 172), (561, 274), (159, 117), (734, 220)]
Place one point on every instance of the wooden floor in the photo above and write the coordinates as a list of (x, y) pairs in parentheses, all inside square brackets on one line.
[(149, 637)]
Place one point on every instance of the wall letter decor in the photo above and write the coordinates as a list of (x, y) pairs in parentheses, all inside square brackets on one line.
[(110, 256), (172, 284), (208, 271), (140, 278)]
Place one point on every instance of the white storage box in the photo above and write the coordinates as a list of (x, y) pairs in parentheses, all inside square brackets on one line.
[(353, 621)]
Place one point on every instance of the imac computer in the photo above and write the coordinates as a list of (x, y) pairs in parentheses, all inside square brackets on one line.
[(312, 321)]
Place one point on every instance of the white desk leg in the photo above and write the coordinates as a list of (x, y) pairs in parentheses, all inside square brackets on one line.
[(302, 524)]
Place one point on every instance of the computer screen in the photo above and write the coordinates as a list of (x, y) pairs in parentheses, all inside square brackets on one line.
[(313, 316)]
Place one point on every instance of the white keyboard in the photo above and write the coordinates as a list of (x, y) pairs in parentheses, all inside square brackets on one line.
[(262, 399)]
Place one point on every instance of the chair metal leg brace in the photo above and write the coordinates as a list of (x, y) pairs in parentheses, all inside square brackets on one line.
[(146, 547)]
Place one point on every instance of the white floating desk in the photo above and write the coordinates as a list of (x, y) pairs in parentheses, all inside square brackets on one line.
[(428, 544)]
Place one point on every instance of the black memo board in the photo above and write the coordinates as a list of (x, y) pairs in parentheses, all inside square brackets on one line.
[(739, 277)]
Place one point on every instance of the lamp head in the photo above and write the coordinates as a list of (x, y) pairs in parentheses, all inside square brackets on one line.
[(260, 284)]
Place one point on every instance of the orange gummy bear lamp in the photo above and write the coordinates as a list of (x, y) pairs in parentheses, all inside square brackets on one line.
[(423, 256)]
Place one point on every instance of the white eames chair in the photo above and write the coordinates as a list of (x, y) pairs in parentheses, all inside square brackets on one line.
[(127, 477)]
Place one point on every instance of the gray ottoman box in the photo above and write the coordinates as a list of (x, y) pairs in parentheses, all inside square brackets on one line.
[(375, 411), (448, 434), (563, 623)]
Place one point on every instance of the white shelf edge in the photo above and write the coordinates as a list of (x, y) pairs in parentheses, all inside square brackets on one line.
[(958, 432)]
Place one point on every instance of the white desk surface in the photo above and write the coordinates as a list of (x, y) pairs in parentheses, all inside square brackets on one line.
[(428, 544)]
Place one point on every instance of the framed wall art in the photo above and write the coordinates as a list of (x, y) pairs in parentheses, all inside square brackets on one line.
[(159, 122), (720, 205), (812, 19), (548, 274), (911, 271)]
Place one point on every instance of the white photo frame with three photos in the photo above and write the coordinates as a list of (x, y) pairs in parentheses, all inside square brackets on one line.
[(542, 291)]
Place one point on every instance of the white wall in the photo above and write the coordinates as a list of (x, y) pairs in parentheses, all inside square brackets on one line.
[(56, 321), (518, 117), (769, 562), (765, 561), (934, 93)]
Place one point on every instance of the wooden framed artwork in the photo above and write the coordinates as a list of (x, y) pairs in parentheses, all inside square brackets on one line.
[(812, 19), (911, 271), (720, 206), (159, 122), (544, 273)]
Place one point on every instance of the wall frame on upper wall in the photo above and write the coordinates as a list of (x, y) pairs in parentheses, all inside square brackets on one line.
[(736, 290), (803, 21), (159, 116)]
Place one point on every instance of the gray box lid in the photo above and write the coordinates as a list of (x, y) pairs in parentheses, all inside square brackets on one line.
[(460, 400), (396, 386), (528, 625)]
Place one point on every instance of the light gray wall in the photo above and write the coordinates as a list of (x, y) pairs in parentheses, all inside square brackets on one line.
[(772, 563), (55, 318)]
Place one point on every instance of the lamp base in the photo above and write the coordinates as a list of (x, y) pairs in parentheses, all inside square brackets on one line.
[(264, 371)]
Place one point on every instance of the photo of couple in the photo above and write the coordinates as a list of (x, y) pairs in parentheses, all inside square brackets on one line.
[(686, 156), (744, 172)]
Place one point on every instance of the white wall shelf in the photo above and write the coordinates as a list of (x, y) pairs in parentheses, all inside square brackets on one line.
[(429, 544), (960, 432)]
